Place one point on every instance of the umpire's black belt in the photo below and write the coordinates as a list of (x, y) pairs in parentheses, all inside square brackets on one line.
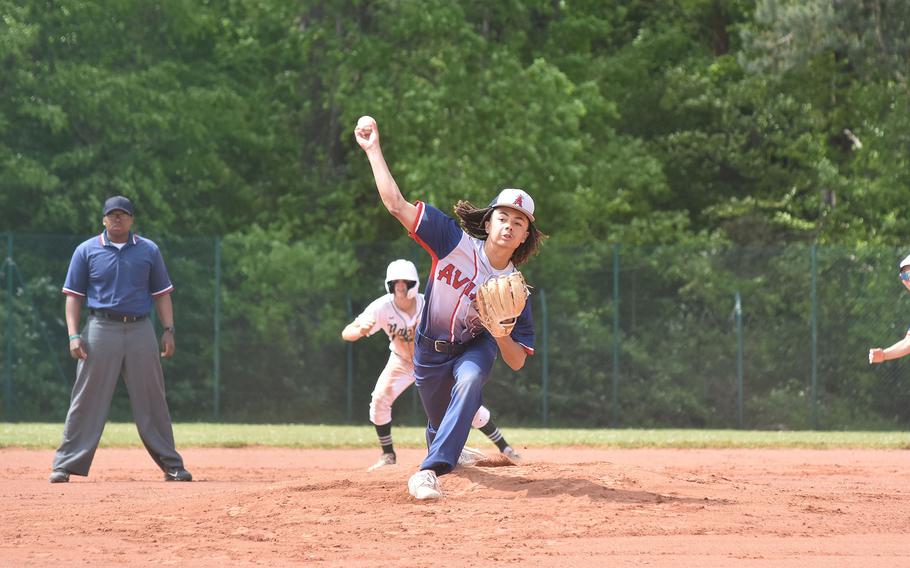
[(125, 318), (440, 346)]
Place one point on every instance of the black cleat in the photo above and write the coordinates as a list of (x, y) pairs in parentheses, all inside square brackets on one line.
[(178, 474), (59, 476)]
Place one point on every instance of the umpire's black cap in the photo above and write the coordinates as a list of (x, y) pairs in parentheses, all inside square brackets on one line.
[(118, 202)]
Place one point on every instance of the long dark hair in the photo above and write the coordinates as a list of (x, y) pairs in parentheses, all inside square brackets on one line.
[(473, 218)]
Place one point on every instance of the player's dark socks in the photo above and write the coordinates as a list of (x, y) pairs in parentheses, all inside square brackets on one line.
[(495, 436), (384, 431)]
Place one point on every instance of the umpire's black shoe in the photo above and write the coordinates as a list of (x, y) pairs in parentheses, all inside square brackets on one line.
[(178, 474), (59, 476)]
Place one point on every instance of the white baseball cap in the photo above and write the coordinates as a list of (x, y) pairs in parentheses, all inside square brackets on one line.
[(517, 199), (905, 262)]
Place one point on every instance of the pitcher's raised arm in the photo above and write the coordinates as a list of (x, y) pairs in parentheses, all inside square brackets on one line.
[(366, 133)]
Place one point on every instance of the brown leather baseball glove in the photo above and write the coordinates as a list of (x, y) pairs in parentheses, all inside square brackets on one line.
[(499, 301)]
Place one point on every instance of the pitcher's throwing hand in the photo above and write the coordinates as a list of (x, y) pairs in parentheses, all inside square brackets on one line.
[(366, 132)]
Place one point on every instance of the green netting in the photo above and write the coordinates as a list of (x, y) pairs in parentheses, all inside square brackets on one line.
[(259, 335)]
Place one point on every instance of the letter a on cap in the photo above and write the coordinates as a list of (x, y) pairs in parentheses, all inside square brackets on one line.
[(517, 199)]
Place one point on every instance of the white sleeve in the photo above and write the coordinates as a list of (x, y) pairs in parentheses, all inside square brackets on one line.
[(375, 312)]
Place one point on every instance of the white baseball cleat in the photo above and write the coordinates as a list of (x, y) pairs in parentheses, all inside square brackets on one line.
[(424, 485), (512, 455), (470, 456), (384, 460)]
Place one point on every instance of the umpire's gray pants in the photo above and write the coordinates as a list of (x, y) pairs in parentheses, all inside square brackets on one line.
[(114, 349)]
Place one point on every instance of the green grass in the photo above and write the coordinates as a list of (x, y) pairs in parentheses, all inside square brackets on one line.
[(47, 436)]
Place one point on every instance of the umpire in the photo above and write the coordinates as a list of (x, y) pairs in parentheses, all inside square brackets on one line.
[(119, 275)]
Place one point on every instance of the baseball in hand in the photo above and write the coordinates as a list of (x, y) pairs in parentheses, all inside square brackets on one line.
[(366, 124), (366, 133)]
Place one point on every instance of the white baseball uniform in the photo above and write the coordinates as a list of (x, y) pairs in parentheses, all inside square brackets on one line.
[(398, 373)]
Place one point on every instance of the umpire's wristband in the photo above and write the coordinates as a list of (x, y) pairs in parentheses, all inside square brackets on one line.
[(76, 336)]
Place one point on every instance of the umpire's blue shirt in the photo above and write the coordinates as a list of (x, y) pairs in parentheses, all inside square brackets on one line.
[(123, 280)]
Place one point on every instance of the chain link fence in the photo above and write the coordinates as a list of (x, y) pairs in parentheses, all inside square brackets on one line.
[(699, 335)]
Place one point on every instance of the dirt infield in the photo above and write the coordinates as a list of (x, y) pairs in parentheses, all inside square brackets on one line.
[(564, 507)]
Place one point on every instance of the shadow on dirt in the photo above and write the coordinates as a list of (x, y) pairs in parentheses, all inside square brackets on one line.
[(548, 484)]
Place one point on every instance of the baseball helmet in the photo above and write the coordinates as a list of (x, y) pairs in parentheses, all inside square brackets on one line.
[(402, 270)]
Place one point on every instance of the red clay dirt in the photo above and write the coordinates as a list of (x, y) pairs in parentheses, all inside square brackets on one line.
[(563, 507)]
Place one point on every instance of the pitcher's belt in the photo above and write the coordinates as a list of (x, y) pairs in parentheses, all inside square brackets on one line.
[(440, 346)]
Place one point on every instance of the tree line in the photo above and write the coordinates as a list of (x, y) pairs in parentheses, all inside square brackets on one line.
[(633, 121)]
